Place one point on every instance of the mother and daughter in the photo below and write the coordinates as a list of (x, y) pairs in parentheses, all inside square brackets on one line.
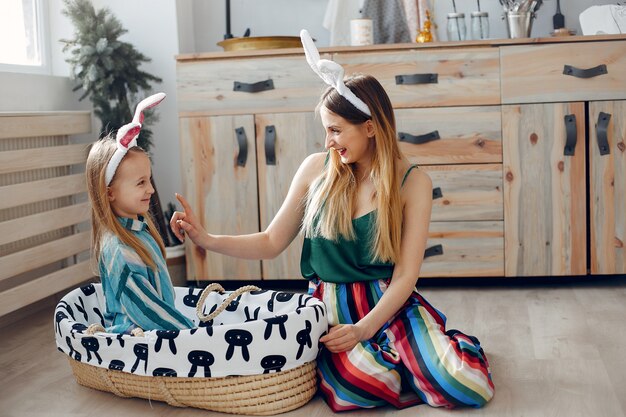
[(364, 211)]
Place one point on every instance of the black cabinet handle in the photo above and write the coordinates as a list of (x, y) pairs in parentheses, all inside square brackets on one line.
[(242, 140), (437, 193), (602, 132), (420, 139), (417, 79), (585, 73), (571, 134), (433, 251), (254, 87), (270, 145)]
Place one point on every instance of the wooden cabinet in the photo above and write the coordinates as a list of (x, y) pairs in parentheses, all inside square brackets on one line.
[(221, 189), (505, 128), (561, 130), (236, 173), (607, 186), (560, 72), (547, 201), (544, 189), (293, 137), (449, 123), (431, 78)]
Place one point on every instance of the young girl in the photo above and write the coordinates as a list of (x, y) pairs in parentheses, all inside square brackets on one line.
[(365, 210), (129, 251)]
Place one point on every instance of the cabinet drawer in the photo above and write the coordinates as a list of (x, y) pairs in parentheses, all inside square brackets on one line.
[(466, 192), (209, 87), (540, 73), (468, 249), (462, 77), (451, 135)]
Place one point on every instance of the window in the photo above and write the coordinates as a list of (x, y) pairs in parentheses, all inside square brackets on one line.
[(22, 33)]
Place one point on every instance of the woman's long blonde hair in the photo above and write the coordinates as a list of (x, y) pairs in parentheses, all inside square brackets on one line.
[(103, 219), (331, 198)]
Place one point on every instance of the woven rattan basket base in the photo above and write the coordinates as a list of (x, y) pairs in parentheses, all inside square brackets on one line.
[(265, 394)]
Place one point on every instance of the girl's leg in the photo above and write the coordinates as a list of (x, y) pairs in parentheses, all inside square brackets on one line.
[(446, 369)]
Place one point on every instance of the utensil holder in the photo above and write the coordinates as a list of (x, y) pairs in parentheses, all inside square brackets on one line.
[(519, 24)]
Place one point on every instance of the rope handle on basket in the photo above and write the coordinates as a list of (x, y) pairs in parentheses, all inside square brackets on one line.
[(217, 287)]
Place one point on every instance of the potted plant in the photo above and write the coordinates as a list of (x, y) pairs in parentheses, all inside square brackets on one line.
[(108, 71)]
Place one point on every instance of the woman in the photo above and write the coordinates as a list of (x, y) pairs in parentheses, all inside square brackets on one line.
[(364, 211)]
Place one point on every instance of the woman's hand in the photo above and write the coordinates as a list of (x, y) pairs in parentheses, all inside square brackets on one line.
[(185, 222), (343, 337)]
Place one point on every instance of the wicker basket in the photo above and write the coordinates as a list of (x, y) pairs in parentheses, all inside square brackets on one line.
[(265, 394), (266, 391)]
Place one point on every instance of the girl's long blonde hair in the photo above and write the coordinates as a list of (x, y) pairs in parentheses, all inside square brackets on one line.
[(103, 219), (331, 198)]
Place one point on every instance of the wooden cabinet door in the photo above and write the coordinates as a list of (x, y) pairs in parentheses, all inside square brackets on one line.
[(221, 186), (291, 137), (544, 190), (607, 186)]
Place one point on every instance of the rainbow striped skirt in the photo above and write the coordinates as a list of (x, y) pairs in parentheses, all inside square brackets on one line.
[(411, 360)]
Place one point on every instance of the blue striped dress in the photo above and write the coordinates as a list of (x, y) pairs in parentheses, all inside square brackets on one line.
[(136, 295)]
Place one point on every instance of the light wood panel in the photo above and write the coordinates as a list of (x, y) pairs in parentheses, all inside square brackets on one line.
[(40, 206), (297, 136), (53, 156), (28, 226), (37, 256), (35, 290), (23, 125), (222, 194), (469, 192), (544, 191), (534, 73), (467, 134), (608, 190), (423, 47), (30, 192), (470, 249), (206, 87), (468, 76)]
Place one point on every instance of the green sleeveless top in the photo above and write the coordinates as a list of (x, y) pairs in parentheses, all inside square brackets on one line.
[(345, 261)]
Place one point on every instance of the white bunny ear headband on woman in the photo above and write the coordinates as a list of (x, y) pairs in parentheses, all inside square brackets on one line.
[(126, 137), (330, 71)]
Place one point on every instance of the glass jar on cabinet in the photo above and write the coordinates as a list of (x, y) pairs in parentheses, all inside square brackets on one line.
[(456, 27)]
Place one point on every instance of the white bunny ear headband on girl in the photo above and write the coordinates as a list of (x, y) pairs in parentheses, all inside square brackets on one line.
[(330, 71), (126, 137)]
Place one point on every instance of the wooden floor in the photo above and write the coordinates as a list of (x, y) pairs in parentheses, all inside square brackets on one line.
[(555, 350)]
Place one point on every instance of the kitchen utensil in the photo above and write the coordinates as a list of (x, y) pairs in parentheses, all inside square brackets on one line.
[(558, 20)]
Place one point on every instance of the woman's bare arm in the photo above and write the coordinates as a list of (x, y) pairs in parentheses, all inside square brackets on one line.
[(263, 245)]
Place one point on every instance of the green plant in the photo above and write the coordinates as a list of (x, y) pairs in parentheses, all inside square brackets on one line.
[(108, 72), (107, 68)]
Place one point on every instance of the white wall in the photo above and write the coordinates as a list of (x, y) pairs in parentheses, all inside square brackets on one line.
[(287, 17), (184, 18), (263, 17), (31, 92), (60, 27)]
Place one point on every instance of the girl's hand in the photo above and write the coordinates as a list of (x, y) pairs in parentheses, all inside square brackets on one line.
[(343, 337), (185, 222)]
